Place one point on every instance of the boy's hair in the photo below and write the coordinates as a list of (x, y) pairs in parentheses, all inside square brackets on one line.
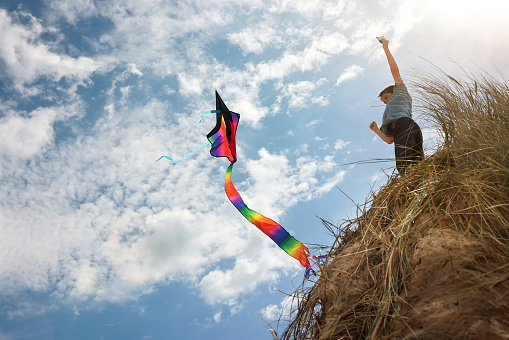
[(388, 89)]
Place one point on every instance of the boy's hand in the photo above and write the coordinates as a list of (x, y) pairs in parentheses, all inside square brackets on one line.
[(373, 126), (383, 41)]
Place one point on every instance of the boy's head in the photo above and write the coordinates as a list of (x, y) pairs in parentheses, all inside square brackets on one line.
[(386, 94)]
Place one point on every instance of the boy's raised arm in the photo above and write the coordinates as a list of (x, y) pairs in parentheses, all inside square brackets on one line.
[(392, 62)]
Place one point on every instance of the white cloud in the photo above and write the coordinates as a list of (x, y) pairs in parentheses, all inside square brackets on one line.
[(34, 67), (256, 39), (271, 312), (26, 58), (311, 58), (226, 286), (416, 24), (307, 48), (25, 137), (81, 190), (314, 122), (71, 11), (325, 10), (277, 184), (217, 317), (303, 93), (340, 144), (432, 139), (353, 71), (281, 312), (88, 280), (134, 69), (377, 176)]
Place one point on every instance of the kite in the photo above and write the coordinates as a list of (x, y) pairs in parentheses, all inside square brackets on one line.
[(222, 140)]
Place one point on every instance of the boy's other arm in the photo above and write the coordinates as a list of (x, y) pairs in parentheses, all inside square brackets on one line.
[(392, 62), (373, 126)]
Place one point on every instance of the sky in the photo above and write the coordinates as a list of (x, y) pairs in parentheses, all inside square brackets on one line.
[(100, 241)]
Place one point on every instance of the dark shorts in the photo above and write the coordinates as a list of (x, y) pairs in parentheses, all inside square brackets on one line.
[(408, 143)]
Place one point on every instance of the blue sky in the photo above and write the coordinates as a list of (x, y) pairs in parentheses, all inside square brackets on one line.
[(98, 241)]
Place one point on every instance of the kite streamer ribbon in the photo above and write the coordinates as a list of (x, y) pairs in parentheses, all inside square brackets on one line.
[(269, 227), (189, 154), (207, 112), (195, 150)]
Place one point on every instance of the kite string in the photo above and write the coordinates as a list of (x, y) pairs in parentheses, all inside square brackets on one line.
[(362, 114)]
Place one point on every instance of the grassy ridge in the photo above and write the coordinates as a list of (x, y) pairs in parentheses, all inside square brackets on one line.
[(460, 193)]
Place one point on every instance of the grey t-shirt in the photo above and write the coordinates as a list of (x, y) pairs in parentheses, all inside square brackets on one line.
[(399, 106)]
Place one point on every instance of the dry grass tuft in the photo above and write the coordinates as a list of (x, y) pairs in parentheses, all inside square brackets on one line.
[(430, 257)]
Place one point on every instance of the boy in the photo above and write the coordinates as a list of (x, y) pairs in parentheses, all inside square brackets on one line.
[(397, 124)]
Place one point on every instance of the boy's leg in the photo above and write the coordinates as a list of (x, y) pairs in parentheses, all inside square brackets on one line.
[(401, 161), (408, 144), (418, 149)]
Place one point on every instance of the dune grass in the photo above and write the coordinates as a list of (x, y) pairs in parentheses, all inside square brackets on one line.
[(462, 188)]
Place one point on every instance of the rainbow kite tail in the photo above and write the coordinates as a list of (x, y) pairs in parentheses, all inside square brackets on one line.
[(269, 227), (317, 259)]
